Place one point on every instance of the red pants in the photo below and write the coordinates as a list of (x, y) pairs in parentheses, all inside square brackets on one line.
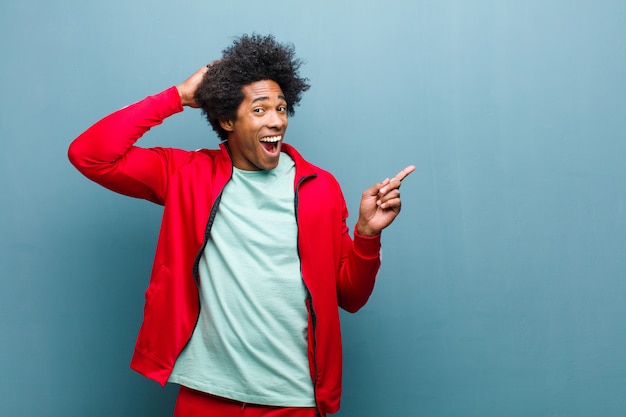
[(192, 403)]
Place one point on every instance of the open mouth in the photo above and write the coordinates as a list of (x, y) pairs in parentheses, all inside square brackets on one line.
[(270, 143)]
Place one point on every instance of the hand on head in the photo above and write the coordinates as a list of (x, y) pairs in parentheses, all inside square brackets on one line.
[(187, 89)]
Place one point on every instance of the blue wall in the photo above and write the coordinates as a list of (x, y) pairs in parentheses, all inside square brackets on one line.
[(503, 290)]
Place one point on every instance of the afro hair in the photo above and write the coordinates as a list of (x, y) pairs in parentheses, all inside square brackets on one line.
[(249, 59)]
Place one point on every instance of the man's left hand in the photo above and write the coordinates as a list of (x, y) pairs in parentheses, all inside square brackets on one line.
[(380, 204)]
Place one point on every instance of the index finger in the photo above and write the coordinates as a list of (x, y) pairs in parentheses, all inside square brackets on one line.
[(404, 173)]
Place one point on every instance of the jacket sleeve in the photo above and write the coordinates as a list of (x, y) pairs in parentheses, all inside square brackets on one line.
[(106, 152), (359, 267)]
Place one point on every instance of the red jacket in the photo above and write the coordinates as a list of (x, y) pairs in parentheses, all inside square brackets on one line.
[(337, 270)]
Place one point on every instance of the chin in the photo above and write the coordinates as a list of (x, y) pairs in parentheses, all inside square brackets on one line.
[(268, 167)]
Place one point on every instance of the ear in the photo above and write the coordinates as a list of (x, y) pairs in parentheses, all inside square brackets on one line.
[(227, 125)]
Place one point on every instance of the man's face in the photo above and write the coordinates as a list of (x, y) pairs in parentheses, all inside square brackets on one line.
[(257, 134)]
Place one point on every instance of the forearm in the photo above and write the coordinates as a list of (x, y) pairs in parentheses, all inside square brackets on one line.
[(105, 153), (358, 271)]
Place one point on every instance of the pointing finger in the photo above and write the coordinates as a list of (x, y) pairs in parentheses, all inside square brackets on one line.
[(404, 173)]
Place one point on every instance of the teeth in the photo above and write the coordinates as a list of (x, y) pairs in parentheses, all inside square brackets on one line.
[(271, 138)]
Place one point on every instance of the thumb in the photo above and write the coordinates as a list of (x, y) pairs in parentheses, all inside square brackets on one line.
[(187, 89)]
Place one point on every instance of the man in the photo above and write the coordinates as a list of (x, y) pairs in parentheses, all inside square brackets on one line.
[(254, 255)]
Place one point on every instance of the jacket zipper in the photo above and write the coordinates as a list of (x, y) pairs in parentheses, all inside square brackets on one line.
[(207, 232), (309, 297)]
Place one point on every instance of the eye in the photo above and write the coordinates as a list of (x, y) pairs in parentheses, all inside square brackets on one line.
[(282, 109), (258, 110)]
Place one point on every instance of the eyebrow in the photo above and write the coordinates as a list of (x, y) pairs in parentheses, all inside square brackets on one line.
[(262, 98)]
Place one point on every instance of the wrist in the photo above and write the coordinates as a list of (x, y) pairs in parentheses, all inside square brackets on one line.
[(366, 231), (180, 94)]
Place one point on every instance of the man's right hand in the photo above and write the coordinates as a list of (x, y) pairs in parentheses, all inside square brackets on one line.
[(188, 88)]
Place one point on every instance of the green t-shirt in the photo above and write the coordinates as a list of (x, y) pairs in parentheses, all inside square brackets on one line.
[(250, 342)]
